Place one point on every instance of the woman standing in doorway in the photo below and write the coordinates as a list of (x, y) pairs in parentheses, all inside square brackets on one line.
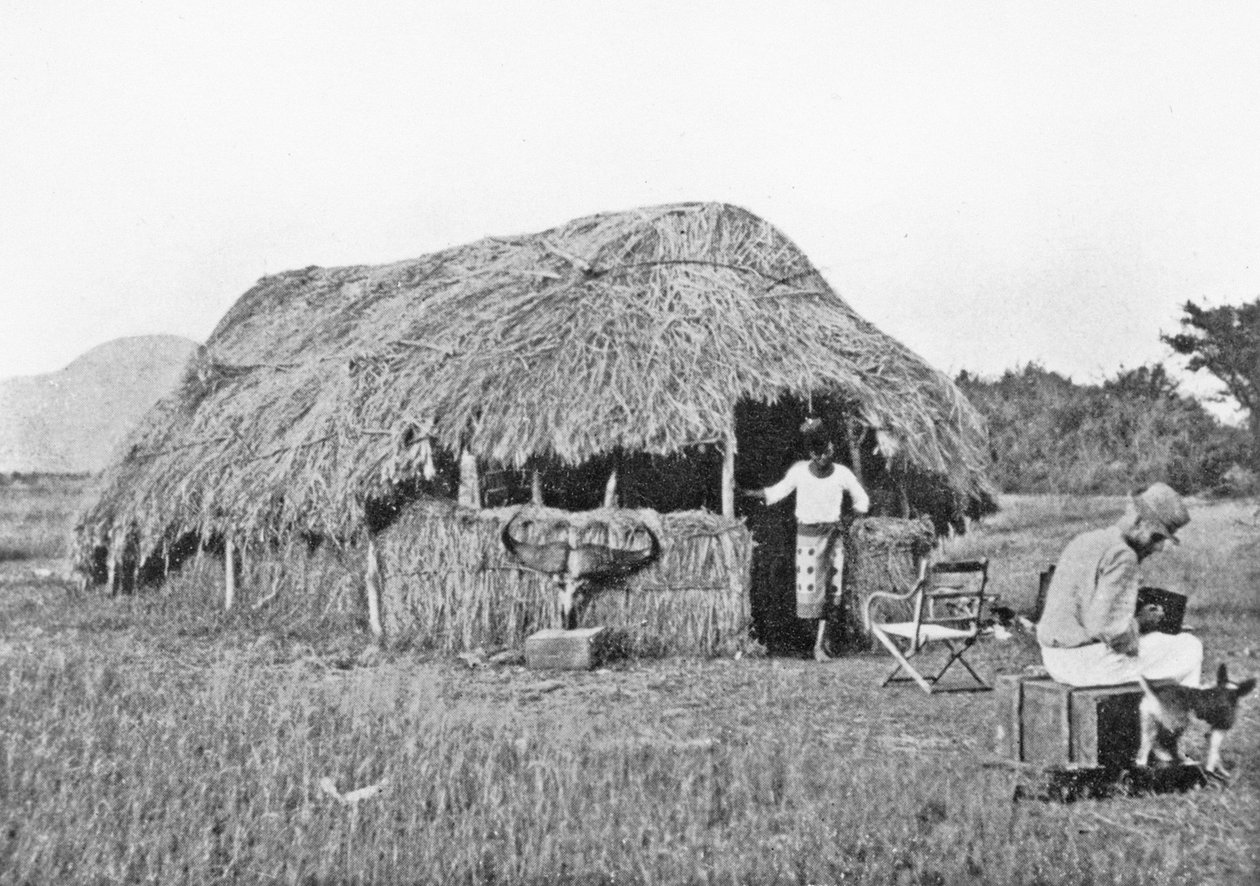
[(820, 486)]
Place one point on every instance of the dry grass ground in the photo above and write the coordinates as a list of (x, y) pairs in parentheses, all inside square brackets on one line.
[(154, 740)]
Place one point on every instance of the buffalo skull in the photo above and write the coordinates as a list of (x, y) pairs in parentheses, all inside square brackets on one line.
[(576, 566)]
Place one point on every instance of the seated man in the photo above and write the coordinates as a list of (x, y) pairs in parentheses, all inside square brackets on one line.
[(1088, 632)]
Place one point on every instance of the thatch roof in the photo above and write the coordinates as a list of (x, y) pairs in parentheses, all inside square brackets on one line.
[(635, 330)]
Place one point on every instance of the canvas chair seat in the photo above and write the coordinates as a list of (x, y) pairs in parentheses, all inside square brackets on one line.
[(927, 633), (945, 604)]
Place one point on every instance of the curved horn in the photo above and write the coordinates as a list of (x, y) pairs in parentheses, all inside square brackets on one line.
[(550, 558), (631, 560), (599, 561)]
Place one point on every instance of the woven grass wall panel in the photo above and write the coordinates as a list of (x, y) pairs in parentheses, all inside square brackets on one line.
[(449, 586), (324, 584), (294, 587)]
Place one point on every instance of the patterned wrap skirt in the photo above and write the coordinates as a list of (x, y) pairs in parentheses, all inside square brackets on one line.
[(819, 567)]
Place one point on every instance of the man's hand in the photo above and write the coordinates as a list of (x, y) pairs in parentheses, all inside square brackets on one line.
[(1150, 616)]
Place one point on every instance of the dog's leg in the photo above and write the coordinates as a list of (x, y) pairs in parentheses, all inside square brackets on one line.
[(1214, 766), (1150, 733), (1181, 758), (1174, 754), (1148, 718)]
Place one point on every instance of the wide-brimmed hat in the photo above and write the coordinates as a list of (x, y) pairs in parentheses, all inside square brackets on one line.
[(1162, 507)]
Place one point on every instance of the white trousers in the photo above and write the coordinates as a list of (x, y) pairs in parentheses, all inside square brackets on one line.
[(1177, 657)]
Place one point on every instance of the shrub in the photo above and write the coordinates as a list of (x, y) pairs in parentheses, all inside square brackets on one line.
[(1049, 434)]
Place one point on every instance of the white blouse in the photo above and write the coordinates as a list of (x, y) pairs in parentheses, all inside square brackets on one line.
[(819, 499)]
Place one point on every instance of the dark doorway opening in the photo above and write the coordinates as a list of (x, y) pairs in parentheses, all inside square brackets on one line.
[(770, 441)]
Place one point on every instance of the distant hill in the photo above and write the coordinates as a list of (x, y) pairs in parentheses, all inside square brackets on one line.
[(69, 421)]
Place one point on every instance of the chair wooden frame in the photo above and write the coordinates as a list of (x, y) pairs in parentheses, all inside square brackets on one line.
[(946, 602)]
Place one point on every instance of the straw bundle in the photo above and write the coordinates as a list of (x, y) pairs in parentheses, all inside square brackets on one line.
[(881, 554), (449, 585), (324, 390)]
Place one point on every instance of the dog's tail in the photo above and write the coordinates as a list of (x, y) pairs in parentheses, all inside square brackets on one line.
[(1156, 703), (1151, 703)]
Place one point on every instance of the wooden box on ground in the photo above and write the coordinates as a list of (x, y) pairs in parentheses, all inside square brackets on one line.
[(1057, 726), (577, 650)]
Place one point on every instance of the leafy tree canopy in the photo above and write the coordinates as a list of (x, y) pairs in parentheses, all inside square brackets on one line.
[(1226, 342)]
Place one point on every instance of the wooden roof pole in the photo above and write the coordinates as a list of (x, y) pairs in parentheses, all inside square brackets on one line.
[(229, 574), (535, 490), (728, 473), (610, 490), (372, 585), (469, 482), (854, 434), (889, 446)]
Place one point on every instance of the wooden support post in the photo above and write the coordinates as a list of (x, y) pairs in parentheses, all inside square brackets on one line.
[(728, 476), (111, 575), (891, 448), (610, 490), (372, 584), (535, 490), (429, 470), (229, 574), (854, 435), (469, 482)]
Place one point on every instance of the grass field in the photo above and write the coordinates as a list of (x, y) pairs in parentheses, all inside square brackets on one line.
[(155, 740), (34, 511)]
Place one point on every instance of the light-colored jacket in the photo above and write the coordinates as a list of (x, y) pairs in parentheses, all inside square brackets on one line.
[(1093, 594)]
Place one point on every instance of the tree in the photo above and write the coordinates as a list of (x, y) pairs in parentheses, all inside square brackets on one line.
[(1226, 342), (1144, 383)]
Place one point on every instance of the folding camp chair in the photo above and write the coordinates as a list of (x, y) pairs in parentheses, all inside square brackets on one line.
[(944, 605)]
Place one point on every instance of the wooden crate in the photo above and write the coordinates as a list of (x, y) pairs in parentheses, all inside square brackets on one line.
[(1057, 726), (577, 650)]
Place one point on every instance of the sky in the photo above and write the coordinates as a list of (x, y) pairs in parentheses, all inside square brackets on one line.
[(991, 183)]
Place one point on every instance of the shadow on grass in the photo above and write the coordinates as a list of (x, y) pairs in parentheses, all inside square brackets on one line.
[(1105, 784)]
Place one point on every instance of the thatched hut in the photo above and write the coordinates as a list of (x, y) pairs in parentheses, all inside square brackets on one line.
[(647, 358)]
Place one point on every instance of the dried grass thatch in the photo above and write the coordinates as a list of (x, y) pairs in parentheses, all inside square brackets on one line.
[(322, 390), (450, 586)]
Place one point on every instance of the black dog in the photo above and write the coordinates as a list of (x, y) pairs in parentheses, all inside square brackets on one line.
[(1166, 710)]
